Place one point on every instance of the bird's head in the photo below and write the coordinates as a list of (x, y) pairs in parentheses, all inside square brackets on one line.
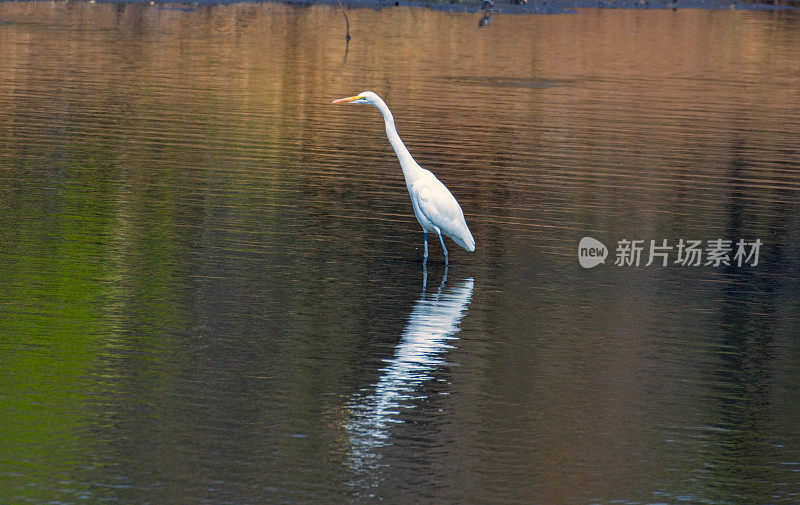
[(367, 97)]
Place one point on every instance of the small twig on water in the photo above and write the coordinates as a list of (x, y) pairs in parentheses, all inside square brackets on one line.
[(347, 21)]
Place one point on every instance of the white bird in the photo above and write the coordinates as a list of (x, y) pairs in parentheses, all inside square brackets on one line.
[(435, 207)]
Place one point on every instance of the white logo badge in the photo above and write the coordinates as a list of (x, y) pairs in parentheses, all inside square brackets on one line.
[(591, 252)]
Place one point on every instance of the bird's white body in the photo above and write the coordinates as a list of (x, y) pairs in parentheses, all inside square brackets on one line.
[(435, 207)]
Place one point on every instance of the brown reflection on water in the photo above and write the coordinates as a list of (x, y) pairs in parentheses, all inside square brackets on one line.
[(227, 259)]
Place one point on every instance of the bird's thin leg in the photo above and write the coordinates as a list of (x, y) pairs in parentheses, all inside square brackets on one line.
[(443, 248), (425, 257), (424, 276)]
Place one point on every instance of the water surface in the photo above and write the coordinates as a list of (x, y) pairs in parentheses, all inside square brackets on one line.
[(211, 283)]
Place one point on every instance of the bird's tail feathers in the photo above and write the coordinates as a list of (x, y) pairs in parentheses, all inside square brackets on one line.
[(465, 240)]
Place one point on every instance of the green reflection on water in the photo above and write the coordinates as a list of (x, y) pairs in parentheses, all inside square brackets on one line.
[(53, 324)]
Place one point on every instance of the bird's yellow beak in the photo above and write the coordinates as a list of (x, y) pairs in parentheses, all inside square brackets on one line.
[(346, 100)]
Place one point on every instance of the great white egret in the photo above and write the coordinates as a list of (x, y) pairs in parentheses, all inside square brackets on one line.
[(435, 207)]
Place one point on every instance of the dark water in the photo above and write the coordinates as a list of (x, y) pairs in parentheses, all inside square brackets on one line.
[(211, 287)]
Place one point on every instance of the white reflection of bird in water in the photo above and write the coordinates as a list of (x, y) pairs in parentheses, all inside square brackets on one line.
[(432, 325)]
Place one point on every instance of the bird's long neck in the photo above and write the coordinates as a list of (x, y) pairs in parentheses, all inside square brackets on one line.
[(411, 170)]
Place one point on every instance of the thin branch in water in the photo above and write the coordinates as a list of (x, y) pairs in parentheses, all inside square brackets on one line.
[(347, 21)]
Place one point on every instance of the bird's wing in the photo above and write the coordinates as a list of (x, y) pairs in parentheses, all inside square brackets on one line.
[(441, 208)]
